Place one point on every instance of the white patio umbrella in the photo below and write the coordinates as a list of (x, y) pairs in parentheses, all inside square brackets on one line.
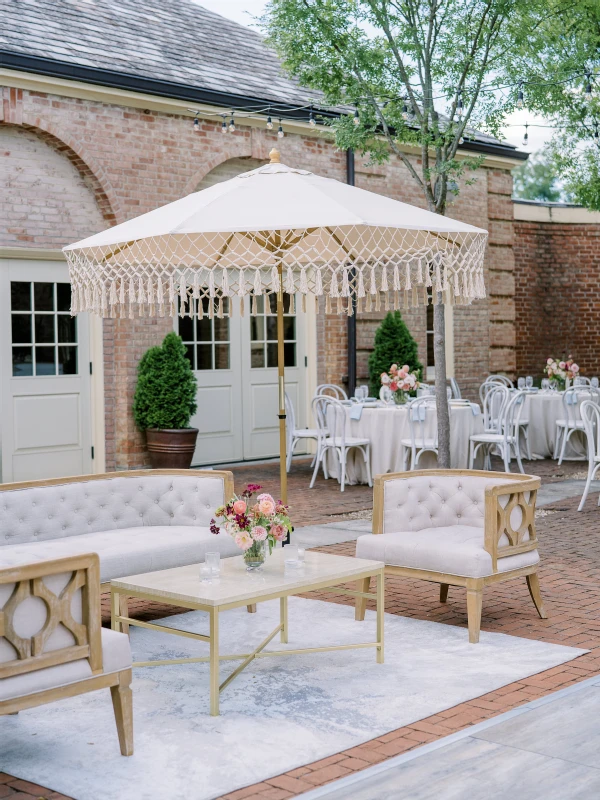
[(276, 230)]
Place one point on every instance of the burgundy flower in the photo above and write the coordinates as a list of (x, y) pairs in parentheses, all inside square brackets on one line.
[(213, 527)]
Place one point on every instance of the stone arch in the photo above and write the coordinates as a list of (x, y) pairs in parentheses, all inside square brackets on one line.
[(92, 173), (240, 154)]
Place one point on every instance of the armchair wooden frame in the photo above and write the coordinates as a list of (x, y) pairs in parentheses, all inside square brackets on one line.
[(134, 473), (497, 523), (29, 582)]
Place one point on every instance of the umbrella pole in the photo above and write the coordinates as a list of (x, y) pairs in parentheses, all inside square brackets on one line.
[(281, 386)]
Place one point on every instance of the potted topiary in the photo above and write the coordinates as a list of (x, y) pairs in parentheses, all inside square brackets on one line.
[(393, 345), (164, 402)]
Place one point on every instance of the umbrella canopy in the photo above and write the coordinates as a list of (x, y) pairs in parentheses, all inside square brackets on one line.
[(276, 224)]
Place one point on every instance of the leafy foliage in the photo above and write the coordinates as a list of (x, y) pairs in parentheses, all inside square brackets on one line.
[(393, 345), (537, 179), (165, 395)]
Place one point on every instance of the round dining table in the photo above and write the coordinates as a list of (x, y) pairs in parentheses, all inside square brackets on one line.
[(543, 409), (386, 426)]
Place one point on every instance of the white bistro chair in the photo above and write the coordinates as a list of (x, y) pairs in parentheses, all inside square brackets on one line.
[(455, 388), (503, 379), (590, 414), (331, 414), (572, 422), (420, 441), (331, 390), (505, 437), (295, 435)]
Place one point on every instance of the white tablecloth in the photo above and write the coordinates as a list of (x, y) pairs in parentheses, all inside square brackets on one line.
[(386, 427), (542, 409)]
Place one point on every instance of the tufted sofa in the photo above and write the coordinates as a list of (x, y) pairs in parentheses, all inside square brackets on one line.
[(465, 528), (137, 522)]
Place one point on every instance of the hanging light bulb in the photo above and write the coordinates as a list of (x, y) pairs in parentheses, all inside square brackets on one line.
[(520, 95), (596, 133), (231, 124), (280, 133), (311, 120), (405, 110), (356, 118), (526, 135), (588, 88), (196, 124), (223, 126), (459, 105), (269, 123)]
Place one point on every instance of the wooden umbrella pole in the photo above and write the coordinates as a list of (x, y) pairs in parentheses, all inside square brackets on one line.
[(281, 383)]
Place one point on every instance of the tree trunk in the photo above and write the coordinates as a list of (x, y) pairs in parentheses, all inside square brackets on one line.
[(441, 396)]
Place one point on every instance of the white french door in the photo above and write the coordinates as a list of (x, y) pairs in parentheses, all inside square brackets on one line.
[(45, 374), (235, 363)]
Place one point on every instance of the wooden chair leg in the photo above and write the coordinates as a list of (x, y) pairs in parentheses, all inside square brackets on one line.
[(474, 606), (361, 602), (444, 592), (124, 612), (533, 584), (123, 708), (251, 608)]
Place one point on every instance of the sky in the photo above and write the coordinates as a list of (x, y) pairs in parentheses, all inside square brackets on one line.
[(243, 11)]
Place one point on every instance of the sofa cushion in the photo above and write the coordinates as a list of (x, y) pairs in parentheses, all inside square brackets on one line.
[(456, 550), (116, 655), (41, 513), (411, 504), (129, 551)]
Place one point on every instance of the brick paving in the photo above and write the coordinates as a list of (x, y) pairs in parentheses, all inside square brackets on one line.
[(570, 573)]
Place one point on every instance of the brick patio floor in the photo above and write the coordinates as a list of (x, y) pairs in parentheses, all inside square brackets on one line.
[(570, 580)]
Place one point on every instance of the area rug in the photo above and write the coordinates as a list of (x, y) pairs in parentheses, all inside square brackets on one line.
[(279, 714)]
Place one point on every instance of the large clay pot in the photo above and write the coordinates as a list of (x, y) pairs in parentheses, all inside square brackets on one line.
[(171, 449)]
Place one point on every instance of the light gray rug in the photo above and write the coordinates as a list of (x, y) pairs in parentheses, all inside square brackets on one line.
[(279, 714)]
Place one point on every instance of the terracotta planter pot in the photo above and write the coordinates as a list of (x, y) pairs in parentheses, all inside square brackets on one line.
[(171, 449)]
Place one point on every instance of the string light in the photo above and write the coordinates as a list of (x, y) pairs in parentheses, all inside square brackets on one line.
[(526, 135), (269, 123), (520, 95), (232, 124), (196, 124), (223, 125), (588, 88), (405, 110), (356, 118), (280, 133), (311, 119), (596, 133), (459, 105)]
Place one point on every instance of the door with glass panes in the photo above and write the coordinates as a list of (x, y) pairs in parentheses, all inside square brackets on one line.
[(235, 362), (45, 370)]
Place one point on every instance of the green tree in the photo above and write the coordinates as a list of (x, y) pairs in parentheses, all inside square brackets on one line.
[(393, 345), (537, 179), (165, 395), (421, 73)]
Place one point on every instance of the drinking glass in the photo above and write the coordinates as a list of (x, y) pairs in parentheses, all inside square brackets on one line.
[(521, 383), (205, 573), (545, 384), (554, 386), (290, 556), (594, 383), (529, 382), (301, 554), (213, 560)]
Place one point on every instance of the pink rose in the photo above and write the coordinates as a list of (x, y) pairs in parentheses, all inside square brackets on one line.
[(394, 367), (244, 541), (550, 360), (279, 532), (259, 533), (393, 387), (402, 374), (574, 368), (240, 506), (406, 368), (265, 496), (267, 507), (562, 364)]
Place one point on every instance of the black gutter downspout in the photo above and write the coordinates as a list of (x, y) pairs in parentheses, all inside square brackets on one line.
[(352, 299)]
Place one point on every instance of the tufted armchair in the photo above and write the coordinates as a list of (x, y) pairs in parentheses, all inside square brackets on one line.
[(466, 528), (52, 645)]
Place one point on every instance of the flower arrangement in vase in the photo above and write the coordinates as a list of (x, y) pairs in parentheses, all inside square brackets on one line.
[(253, 525), (400, 381), (559, 371)]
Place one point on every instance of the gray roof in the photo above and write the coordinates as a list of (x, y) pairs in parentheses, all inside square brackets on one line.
[(176, 42)]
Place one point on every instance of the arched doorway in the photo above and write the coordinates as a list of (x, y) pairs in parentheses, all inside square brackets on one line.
[(235, 362)]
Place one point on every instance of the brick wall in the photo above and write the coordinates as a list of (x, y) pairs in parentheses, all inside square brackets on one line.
[(125, 161), (557, 297)]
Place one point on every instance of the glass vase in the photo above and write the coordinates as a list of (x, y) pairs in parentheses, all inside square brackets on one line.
[(255, 556), (400, 397)]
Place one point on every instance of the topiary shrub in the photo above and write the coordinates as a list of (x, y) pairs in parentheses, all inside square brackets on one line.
[(165, 395), (393, 345)]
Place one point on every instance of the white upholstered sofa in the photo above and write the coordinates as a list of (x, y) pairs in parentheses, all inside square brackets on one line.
[(138, 521), (467, 528)]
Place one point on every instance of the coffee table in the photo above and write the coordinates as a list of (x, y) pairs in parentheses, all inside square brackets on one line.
[(236, 587)]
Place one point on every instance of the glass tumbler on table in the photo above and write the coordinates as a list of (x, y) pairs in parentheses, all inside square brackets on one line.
[(529, 382), (520, 383), (213, 561)]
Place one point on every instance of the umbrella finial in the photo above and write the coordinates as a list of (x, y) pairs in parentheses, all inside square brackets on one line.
[(275, 156)]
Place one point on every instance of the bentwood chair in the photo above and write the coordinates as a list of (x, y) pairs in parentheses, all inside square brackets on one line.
[(456, 528), (421, 440), (332, 416), (572, 422), (52, 644), (455, 388), (505, 437), (590, 415), (295, 435), (331, 390)]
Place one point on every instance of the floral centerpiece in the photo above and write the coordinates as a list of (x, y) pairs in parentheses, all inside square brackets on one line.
[(253, 525), (400, 381), (559, 371)]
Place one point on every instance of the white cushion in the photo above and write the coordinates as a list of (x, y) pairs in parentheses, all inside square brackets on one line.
[(427, 501), (456, 550), (71, 509), (130, 551), (116, 655)]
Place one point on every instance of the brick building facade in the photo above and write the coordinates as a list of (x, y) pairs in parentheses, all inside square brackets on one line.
[(557, 294), (78, 157)]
